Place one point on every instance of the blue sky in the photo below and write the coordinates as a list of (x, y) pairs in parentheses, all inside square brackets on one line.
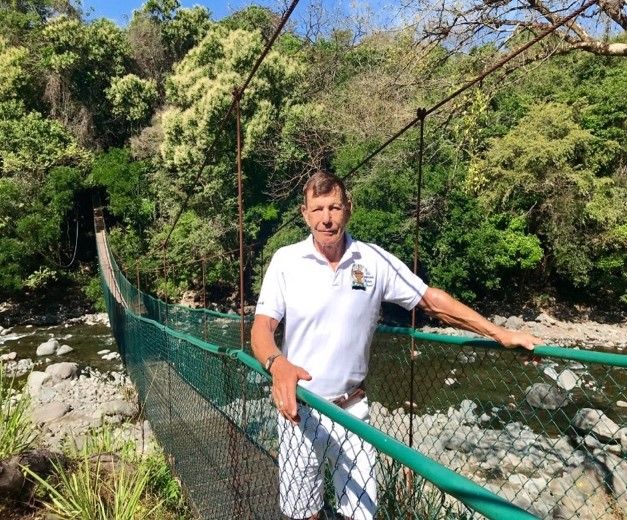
[(120, 11)]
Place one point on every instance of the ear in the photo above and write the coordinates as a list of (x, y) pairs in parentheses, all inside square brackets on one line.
[(303, 212)]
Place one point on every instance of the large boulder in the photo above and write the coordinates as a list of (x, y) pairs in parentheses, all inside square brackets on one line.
[(545, 396), (47, 348), (61, 371), (50, 412), (118, 407), (595, 421), (35, 381)]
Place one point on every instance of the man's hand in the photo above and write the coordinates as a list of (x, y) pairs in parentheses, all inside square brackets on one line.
[(513, 338), (285, 377)]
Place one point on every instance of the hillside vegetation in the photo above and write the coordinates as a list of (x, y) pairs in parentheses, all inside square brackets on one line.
[(525, 176)]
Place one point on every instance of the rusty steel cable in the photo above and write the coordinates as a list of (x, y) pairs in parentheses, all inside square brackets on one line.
[(240, 208), (422, 114)]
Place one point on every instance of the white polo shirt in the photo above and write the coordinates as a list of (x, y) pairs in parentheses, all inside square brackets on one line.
[(330, 317)]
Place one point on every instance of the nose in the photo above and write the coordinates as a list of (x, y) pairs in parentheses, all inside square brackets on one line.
[(326, 216)]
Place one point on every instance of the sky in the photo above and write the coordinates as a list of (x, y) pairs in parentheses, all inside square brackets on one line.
[(120, 10)]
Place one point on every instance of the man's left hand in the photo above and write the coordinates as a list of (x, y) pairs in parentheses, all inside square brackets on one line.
[(514, 338)]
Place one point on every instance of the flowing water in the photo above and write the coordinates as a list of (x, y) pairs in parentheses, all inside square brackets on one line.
[(86, 340)]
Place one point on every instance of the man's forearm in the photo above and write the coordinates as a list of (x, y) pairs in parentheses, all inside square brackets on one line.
[(262, 338), (443, 306)]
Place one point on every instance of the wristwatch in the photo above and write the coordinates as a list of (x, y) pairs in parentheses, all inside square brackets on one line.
[(270, 360)]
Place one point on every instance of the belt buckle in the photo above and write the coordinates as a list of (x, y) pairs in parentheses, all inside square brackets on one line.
[(345, 400)]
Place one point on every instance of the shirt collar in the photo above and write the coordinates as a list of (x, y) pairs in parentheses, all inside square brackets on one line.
[(309, 249)]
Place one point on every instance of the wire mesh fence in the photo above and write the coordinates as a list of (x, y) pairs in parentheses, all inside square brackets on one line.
[(546, 434)]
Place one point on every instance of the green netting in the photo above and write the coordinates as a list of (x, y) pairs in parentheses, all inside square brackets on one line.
[(546, 434)]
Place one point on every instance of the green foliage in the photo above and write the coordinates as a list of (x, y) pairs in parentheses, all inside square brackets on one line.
[(470, 255), (93, 291), (253, 18), (132, 98), (41, 169), (16, 430), (137, 486), (523, 175), (126, 183), (91, 492), (31, 144), (40, 278), (14, 74), (546, 169), (180, 29)]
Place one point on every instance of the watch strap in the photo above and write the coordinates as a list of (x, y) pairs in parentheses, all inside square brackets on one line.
[(270, 361)]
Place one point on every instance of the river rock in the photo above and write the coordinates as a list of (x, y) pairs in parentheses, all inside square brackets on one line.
[(8, 357), (35, 381), (545, 396), (551, 372), (499, 320), (64, 349), (616, 468), (111, 356), (49, 412), (567, 380), (514, 323), (595, 421), (61, 371), (47, 348), (118, 407), (19, 368)]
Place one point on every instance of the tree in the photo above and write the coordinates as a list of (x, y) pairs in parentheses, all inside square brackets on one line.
[(14, 73), (198, 95), (81, 60), (551, 171), (41, 169), (599, 30), (132, 98)]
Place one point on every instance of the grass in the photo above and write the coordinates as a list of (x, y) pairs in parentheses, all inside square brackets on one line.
[(406, 495), (16, 429), (128, 486), (88, 491)]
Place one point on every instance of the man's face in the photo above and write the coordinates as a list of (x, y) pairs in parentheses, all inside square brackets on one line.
[(327, 216)]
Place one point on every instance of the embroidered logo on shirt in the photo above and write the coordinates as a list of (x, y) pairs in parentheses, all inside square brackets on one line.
[(361, 278)]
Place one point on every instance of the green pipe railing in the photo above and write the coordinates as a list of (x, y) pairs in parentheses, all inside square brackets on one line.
[(588, 356), (471, 494)]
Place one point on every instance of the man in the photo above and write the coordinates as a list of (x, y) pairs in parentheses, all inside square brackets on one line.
[(328, 289)]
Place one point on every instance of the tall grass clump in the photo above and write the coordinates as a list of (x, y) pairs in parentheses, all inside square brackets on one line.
[(16, 429), (403, 495), (109, 479), (89, 491)]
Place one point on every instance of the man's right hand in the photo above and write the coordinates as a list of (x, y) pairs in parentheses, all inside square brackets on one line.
[(285, 377)]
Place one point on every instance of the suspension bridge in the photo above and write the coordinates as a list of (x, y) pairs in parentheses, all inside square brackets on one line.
[(208, 402), (455, 429)]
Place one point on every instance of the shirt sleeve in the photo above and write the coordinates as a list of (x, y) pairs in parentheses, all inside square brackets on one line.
[(271, 300), (402, 286)]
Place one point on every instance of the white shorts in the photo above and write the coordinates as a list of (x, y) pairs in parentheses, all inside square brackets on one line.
[(303, 450)]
